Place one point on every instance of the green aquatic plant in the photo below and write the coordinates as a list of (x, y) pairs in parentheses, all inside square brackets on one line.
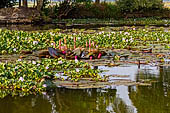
[(31, 76), (16, 41)]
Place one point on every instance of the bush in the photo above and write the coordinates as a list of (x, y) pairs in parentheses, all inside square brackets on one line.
[(87, 10), (104, 10), (138, 5), (63, 8)]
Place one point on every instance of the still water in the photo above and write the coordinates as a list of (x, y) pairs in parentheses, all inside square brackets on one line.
[(30, 27), (113, 99)]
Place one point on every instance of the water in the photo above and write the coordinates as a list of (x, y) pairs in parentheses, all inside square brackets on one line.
[(29, 27), (115, 99), (44, 27)]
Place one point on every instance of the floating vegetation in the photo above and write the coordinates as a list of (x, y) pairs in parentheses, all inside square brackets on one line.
[(16, 41), (31, 76)]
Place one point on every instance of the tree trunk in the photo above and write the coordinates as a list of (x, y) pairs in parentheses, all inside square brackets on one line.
[(39, 5), (25, 3), (34, 4), (97, 1), (19, 3)]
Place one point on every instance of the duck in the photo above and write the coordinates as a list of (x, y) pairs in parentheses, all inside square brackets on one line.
[(79, 52)]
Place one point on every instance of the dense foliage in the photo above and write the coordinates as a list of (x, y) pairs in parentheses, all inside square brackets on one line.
[(118, 9), (139, 5), (84, 10), (7, 3)]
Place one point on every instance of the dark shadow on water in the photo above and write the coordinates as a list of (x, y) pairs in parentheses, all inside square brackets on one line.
[(42, 27), (28, 27)]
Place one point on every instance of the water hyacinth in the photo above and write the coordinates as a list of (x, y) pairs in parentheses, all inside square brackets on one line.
[(64, 77), (46, 67), (52, 44), (33, 62), (32, 78), (131, 40), (36, 41), (78, 38), (76, 61), (18, 37), (100, 33), (44, 93), (52, 34), (123, 39), (77, 70), (21, 79), (16, 67), (60, 62), (44, 85), (19, 60), (57, 75), (14, 49), (126, 33)]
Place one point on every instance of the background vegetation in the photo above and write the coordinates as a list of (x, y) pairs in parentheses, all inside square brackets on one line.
[(83, 9), (119, 9)]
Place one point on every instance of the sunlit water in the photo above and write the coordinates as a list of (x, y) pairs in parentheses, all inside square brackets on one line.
[(115, 99)]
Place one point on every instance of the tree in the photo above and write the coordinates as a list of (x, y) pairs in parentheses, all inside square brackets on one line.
[(34, 4), (138, 5), (19, 3), (97, 1), (39, 4), (7, 3), (25, 4), (42, 4)]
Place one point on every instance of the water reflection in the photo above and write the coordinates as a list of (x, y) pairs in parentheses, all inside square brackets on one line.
[(123, 94), (132, 71), (155, 98), (61, 101), (114, 99)]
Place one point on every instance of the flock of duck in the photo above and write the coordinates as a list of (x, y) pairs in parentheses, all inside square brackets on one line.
[(90, 52)]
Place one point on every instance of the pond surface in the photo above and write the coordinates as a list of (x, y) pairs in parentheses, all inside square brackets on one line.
[(113, 99)]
